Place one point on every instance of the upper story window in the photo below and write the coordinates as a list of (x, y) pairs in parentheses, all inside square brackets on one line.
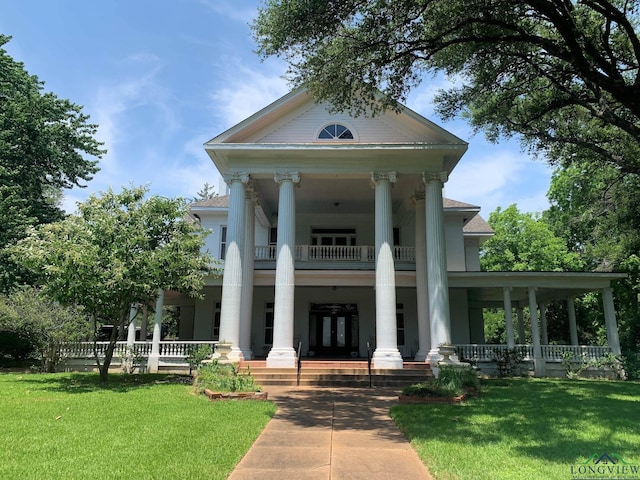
[(335, 131)]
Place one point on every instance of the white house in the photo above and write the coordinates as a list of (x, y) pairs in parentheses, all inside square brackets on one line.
[(335, 236)]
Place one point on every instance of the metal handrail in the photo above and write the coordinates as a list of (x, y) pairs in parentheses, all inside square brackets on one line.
[(299, 366), (369, 363)]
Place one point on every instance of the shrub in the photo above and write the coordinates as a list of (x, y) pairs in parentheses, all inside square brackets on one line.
[(197, 354), (223, 377), (451, 382), (509, 361)]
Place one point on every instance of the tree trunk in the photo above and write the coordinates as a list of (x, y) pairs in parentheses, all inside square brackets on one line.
[(108, 354)]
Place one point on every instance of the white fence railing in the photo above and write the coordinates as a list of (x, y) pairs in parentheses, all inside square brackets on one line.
[(175, 349), (335, 253), (487, 353)]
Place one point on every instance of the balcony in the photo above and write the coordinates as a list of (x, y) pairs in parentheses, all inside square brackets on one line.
[(329, 257)]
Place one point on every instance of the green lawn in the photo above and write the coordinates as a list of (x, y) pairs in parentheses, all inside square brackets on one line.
[(526, 429), (68, 426)]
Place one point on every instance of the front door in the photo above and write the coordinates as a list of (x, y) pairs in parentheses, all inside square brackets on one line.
[(333, 330)]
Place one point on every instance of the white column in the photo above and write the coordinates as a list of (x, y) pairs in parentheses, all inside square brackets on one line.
[(246, 308), (437, 279), (232, 276), (538, 361), (386, 354), (154, 357), (422, 295), (508, 317), (521, 335), (143, 323), (610, 320), (543, 324), (282, 353), (573, 327), (131, 331)]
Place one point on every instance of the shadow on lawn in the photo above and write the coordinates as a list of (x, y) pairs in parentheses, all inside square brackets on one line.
[(544, 419), (90, 382)]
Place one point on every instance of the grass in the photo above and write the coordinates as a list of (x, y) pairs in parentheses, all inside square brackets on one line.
[(525, 429), (69, 426)]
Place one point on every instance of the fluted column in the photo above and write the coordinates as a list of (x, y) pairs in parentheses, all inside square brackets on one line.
[(232, 276), (246, 308), (543, 324), (154, 357), (131, 331), (422, 295), (437, 279), (521, 335), (538, 361), (573, 327), (282, 353), (508, 317), (386, 354), (610, 320)]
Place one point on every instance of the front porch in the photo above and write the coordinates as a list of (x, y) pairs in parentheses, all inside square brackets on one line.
[(173, 358)]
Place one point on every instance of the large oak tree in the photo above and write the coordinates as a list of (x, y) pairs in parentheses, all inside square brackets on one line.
[(46, 145), (562, 74)]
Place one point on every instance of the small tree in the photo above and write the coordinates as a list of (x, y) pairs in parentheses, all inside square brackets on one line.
[(31, 319), (117, 251)]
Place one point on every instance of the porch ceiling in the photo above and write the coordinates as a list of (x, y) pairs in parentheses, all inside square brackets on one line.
[(335, 195)]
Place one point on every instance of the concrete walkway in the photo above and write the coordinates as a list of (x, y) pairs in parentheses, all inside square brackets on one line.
[(331, 433)]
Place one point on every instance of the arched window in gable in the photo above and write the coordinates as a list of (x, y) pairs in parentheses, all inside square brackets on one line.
[(335, 131)]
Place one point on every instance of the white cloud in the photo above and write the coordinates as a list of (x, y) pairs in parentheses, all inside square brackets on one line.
[(250, 91), (231, 10)]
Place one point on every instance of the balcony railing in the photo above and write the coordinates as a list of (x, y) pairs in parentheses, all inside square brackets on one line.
[(487, 353), (334, 253), (176, 349)]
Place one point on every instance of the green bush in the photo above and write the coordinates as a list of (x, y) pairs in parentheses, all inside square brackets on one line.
[(223, 377), (197, 354), (451, 382)]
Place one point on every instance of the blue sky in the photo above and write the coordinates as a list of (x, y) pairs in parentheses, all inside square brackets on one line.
[(163, 77)]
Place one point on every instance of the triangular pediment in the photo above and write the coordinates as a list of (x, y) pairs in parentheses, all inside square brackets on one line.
[(297, 119)]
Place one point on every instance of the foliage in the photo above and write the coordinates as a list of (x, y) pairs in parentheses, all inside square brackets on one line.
[(207, 192), (524, 242), (129, 359), (43, 143), (451, 382), (497, 436), (117, 251), (34, 325), (508, 360), (70, 426), (197, 354), (223, 377), (577, 367), (562, 75)]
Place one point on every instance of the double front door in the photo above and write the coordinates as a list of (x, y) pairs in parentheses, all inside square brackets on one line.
[(333, 330)]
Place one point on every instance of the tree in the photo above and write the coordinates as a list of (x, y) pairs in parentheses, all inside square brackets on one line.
[(206, 193), (117, 251), (29, 318), (565, 75), (43, 140), (524, 242)]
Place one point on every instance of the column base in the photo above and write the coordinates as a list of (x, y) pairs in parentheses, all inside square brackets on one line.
[(247, 353), (153, 363), (388, 358), (539, 367), (421, 356), (281, 358)]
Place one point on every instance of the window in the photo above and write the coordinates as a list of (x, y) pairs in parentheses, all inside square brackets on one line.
[(215, 328), (335, 131), (400, 323), (396, 236), (223, 241), (273, 236), (333, 236), (268, 324)]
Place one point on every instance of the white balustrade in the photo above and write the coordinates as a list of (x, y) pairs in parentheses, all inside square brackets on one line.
[(179, 349), (404, 254), (334, 253)]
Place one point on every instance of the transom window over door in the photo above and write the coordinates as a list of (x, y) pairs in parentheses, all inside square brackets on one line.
[(335, 131), (333, 236)]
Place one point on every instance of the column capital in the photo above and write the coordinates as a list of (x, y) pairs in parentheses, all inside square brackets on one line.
[(377, 177), (507, 289), (428, 177), (293, 177), (230, 178), (251, 195)]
